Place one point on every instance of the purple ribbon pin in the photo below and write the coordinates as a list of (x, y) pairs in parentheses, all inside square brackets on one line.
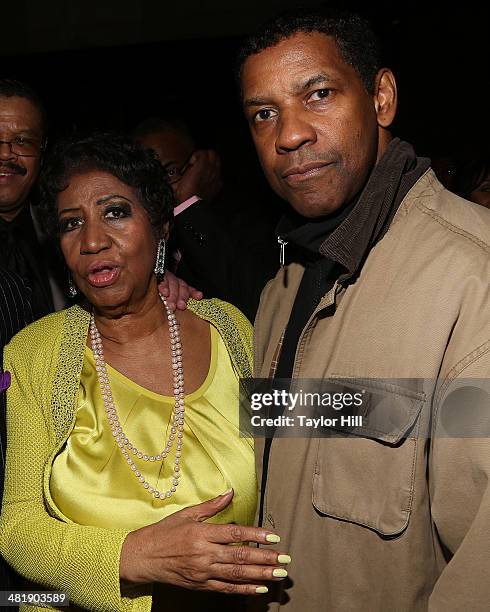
[(4, 381)]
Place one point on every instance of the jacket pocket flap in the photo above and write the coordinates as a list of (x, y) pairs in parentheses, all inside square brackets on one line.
[(365, 474), (389, 410)]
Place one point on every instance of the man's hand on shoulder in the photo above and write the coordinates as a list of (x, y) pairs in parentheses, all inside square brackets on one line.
[(177, 292)]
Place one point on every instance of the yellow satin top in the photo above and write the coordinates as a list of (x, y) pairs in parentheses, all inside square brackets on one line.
[(91, 482)]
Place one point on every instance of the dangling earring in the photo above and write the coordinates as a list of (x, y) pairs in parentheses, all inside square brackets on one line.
[(160, 260), (72, 290)]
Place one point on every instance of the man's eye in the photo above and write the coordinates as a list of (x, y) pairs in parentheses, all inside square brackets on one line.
[(263, 115), (319, 94), (21, 141), (173, 174), (171, 171)]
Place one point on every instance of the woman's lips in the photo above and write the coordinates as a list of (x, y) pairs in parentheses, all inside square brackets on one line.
[(103, 277)]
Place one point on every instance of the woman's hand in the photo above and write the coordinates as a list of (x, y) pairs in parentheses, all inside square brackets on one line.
[(184, 551), (177, 291)]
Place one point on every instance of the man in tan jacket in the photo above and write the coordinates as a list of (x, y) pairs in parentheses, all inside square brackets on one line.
[(387, 277)]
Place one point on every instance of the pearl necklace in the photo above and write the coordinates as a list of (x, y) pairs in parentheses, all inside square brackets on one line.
[(177, 429)]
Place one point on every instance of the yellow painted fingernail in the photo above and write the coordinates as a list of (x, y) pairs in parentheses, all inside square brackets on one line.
[(272, 538), (283, 559), (261, 590), (279, 573)]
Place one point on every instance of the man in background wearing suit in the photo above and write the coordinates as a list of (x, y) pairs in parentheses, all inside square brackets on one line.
[(223, 234), (22, 248)]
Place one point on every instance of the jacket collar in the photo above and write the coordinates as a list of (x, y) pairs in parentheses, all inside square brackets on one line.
[(349, 235)]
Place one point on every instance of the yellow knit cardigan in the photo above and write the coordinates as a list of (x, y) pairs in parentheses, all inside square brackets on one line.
[(45, 361)]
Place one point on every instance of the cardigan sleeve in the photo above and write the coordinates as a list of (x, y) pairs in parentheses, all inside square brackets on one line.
[(81, 560), (45, 547)]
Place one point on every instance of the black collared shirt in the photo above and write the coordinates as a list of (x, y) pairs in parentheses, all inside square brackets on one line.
[(320, 273)]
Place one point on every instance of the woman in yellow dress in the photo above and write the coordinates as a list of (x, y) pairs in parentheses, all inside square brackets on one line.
[(123, 417)]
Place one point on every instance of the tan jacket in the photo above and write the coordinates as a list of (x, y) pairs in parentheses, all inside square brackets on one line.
[(396, 526)]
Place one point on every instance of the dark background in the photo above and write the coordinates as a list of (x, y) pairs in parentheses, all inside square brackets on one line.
[(110, 64)]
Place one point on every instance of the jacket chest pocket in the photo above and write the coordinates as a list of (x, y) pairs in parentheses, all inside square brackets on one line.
[(366, 474)]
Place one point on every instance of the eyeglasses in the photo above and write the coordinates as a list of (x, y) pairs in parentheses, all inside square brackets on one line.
[(24, 147), (175, 173)]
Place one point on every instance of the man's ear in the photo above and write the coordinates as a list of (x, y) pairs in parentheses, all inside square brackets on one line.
[(385, 97)]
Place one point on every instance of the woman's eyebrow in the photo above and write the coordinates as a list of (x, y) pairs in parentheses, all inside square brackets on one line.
[(102, 200), (106, 198)]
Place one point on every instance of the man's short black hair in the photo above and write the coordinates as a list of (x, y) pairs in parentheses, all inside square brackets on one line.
[(353, 34), (11, 88), (116, 155)]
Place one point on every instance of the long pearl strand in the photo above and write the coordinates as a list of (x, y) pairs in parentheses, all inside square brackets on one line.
[(128, 449)]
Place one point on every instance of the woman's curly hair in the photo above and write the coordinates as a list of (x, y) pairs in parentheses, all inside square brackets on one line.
[(112, 153)]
